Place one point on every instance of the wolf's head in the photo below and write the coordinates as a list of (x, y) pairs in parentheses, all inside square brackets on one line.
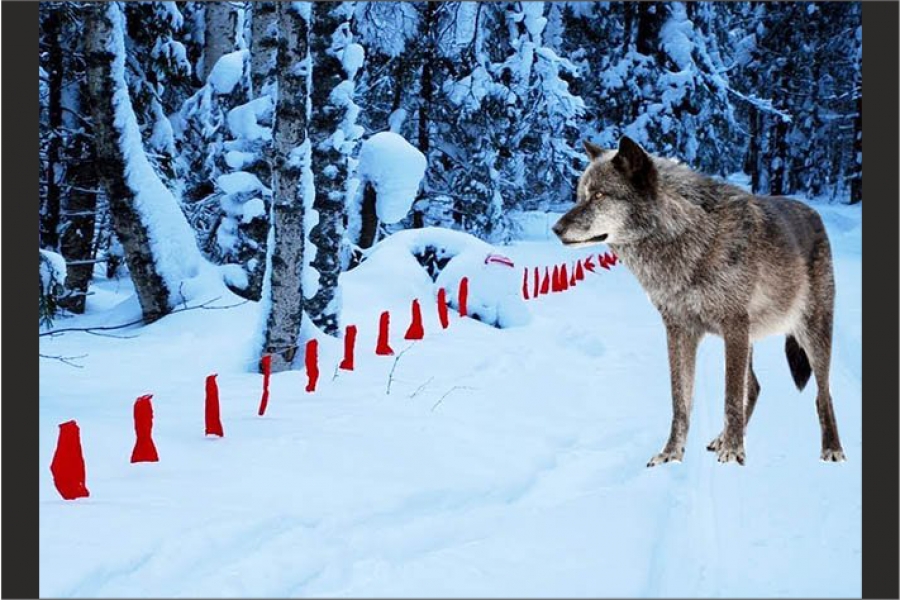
[(616, 197)]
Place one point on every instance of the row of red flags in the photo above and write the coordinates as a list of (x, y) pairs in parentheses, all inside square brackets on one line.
[(560, 280), (68, 467)]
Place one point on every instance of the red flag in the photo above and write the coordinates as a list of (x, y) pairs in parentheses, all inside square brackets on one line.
[(545, 285), (415, 331), (349, 346), (554, 285), (536, 290), (464, 297), (383, 348), (213, 422), (589, 264), (572, 279), (579, 271), (312, 364), (601, 258), (442, 308), (525, 284), (144, 448), (67, 465), (563, 278), (266, 364)]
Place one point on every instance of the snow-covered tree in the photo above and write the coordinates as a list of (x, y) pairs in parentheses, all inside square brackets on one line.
[(390, 171), (158, 76), (159, 246), (51, 288), (219, 34), (334, 136)]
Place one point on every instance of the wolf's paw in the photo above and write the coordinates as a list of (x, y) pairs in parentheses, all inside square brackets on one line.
[(666, 456), (830, 455), (714, 445), (730, 453)]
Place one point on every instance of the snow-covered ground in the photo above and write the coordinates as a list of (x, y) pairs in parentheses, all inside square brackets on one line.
[(502, 463)]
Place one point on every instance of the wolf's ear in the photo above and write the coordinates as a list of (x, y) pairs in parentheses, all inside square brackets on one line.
[(593, 150), (635, 164)]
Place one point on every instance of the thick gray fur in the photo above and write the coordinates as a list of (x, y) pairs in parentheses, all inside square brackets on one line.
[(714, 258)]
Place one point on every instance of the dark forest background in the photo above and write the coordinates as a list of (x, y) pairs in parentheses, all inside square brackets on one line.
[(496, 95)]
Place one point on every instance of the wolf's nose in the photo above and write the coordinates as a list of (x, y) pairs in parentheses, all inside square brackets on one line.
[(558, 228)]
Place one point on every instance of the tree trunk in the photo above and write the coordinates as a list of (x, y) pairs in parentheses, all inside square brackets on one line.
[(425, 106), (369, 228), (219, 39), (140, 225), (79, 208), (264, 46), (751, 160), (330, 167), (856, 158), (291, 179), (55, 70), (778, 159)]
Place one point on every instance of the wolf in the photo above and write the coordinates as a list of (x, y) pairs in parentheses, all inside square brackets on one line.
[(714, 259)]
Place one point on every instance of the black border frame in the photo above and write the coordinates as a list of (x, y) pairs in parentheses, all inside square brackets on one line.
[(881, 266)]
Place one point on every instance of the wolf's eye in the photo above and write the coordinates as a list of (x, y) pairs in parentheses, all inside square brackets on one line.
[(598, 195)]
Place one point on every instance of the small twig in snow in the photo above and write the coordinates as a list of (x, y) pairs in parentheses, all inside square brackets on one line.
[(65, 359), (394, 366), (451, 390), (421, 387), (204, 306), (109, 335)]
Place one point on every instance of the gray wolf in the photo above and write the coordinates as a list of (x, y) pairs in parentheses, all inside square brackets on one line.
[(714, 259)]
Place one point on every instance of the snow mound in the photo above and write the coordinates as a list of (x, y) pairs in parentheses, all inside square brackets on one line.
[(395, 167), (52, 269), (227, 72), (243, 120), (494, 292), (240, 182), (447, 256), (352, 59)]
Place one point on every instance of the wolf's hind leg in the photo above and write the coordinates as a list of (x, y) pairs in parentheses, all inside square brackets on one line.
[(815, 340), (736, 332), (753, 388)]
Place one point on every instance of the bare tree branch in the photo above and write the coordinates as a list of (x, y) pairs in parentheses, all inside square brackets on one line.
[(204, 306), (68, 360)]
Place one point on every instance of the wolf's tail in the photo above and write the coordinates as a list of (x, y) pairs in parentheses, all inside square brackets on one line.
[(798, 362)]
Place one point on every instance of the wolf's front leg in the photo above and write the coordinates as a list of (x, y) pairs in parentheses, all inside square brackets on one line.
[(737, 353), (682, 342)]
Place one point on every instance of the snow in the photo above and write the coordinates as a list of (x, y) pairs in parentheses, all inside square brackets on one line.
[(675, 37), (494, 289), (503, 462), (235, 276), (243, 120), (534, 19), (253, 208), (396, 168), (52, 269), (352, 59), (239, 182), (238, 159), (396, 119), (228, 71)]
